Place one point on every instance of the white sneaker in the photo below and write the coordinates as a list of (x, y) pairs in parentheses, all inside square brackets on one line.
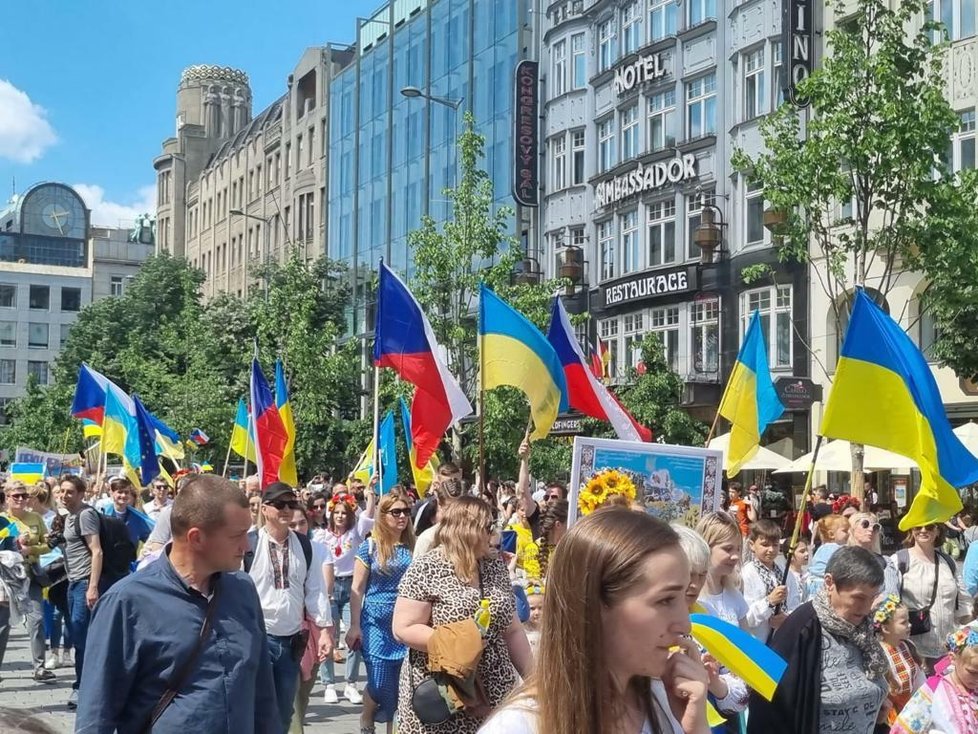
[(51, 661), (330, 695), (351, 694)]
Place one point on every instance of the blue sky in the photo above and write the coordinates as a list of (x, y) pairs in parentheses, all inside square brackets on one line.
[(88, 87)]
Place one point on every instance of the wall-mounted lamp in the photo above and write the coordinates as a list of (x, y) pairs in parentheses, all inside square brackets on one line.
[(708, 236)]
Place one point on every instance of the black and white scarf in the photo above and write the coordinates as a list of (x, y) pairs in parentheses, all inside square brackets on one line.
[(862, 636)]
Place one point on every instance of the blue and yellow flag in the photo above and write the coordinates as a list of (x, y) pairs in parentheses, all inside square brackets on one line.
[(422, 477), (287, 471), (365, 466), (91, 429), (757, 665), (885, 395), (388, 453), (514, 352), (27, 472), (750, 401), (242, 438)]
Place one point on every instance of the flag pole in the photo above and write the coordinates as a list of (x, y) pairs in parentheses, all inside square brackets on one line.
[(248, 442), (801, 511), (227, 459), (376, 456)]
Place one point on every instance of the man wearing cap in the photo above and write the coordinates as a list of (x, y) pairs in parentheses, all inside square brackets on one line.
[(290, 588)]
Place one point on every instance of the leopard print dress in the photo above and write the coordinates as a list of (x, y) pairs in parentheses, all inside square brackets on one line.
[(431, 578)]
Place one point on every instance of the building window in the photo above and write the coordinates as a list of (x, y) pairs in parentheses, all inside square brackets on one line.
[(116, 287), (4, 418), (629, 133), (71, 299), (559, 85), (40, 297), (606, 145), (662, 120), (288, 160), (298, 151), (630, 248), (8, 333), (608, 334), (578, 61), (559, 148), (8, 371), (577, 153), (633, 329), (665, 324), (8, 296), (701, 10), (631, 28), (39, 371), (753, 212), (606, 44), (663, 19), (577, 236), (964, 142), (705, 336), (927, 334), (65, 331), (778, 85), (606, 248), (958, 16), (662, 233), (755, 94), (37, 335), (694, 207), (773, 303), (701, 103)]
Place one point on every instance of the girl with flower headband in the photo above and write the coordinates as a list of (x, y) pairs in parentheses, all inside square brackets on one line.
[(892, 622), (948, 703), (534, 596)]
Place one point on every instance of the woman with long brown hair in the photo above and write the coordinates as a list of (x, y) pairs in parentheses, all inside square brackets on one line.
[(446, 585), (608, 659), (381, 561)]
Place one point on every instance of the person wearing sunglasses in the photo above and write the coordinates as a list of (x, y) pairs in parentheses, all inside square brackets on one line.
[(31, 544), (161, 499), (865, 531)]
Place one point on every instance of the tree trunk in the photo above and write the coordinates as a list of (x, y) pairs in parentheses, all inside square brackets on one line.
[(857, 482)]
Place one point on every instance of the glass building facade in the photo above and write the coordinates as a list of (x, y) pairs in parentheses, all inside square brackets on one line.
[(391, 156)]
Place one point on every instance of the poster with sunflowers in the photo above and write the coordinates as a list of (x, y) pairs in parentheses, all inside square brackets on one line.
[(672, 483)]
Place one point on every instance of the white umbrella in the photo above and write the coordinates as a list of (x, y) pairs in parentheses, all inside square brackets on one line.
[(763, 460), (837, 456), (968, 434)]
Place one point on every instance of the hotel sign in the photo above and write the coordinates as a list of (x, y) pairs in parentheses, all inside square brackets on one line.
[(526, 135), (647, 68), (645, 178), (798, 44), (645, 286)]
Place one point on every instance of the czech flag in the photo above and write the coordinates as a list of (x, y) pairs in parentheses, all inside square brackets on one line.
[(749, 401), (199, 437), (271, 438), (584, 391), (515, 353), (884, 394), (404, 341), (89, 401)]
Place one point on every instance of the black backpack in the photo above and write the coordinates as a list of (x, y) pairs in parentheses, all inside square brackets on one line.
[(249, 556), (118, 552)]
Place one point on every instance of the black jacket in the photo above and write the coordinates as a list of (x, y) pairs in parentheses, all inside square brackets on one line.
[(798, 698)]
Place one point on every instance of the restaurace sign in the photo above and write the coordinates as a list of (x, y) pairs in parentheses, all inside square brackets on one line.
[(647, 68), (645, 178), (649, 285)]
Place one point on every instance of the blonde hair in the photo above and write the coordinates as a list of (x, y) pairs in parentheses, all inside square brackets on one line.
[(716, 528), (464, 522), (386, 537), (12, 484), (41, 494), (696, 549)]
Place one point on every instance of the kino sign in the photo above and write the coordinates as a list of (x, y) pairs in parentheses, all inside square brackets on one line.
[(645, 178), (797, 37), (646, 68)]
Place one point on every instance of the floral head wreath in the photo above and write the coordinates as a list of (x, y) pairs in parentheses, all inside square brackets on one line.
[(346, 499), (535, 588), (885, 611), (602, 486), (966, 636), (845, 501)]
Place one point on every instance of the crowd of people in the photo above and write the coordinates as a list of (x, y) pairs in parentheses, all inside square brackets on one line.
[(224, 606)]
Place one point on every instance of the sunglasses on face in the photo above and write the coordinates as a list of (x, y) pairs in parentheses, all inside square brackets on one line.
[(160, 486), (17, 496), (553, 496), (866, 525), (285, 505), (930, 527), (399, 512)]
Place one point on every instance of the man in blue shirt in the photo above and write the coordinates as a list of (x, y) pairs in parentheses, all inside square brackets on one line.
[(146, 628), (123, 496)]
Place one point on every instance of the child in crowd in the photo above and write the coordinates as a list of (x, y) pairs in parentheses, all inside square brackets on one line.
[(764, 591), (892, 622), (534, 595), (721, 594), (798, 571)]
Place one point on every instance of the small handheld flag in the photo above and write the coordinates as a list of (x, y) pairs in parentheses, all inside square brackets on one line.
[(199, 437)]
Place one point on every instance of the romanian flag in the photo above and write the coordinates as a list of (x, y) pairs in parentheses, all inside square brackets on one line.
[(884, 395), (750, 401), (27, 472), (270, 436), (514, 352), (242, 442), (287, 472), (404, 341), (89, 400), (422, 477)]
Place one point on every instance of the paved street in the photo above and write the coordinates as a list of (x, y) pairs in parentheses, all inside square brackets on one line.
[(18, 691)]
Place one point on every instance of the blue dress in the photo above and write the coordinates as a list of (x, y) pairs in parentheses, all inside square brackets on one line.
[(382, 654)]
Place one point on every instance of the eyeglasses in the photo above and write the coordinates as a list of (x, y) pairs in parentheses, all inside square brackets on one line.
[(866, 524), (319, 506), (930, 527), (17, 496), (160, 486), (399, 512), (553, 496), (285, 505)]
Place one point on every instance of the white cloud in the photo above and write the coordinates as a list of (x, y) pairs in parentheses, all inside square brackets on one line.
[(24, 130), (113, 214)]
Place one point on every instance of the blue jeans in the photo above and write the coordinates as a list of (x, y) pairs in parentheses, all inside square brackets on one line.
[(79, 616), (285, 676), (340, 607)]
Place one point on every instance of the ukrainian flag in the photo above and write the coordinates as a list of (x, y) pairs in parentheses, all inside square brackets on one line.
[(365, 466), (885, 395), (514, 352), (91, 429), (286, 472), (757, 665), (750, 401), (242, 442), (422, 477), (27, 472)]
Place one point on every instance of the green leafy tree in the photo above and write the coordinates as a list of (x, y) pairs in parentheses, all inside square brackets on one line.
[(876, 135)]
